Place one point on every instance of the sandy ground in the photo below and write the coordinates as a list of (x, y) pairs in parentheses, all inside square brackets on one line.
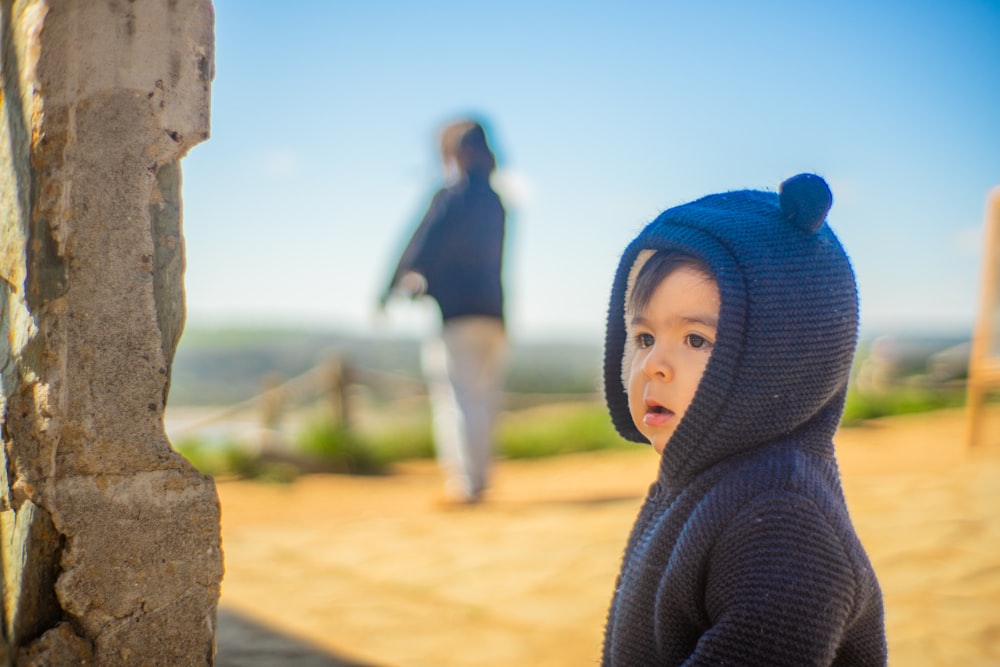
[(335, 570)]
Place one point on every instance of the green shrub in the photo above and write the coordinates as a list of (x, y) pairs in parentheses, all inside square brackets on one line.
[(403, 442), (232, 459), (546, 430), (862, 406), (339, 449), (556, 429)]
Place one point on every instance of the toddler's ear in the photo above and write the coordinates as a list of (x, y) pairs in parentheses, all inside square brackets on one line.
[(805, 200)]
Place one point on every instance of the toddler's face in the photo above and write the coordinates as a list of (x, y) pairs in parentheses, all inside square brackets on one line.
[(674, 336)]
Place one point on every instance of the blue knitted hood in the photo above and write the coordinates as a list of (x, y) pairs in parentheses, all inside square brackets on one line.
[(787, 325)]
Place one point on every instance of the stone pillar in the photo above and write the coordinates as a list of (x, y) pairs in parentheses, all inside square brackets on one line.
[(110, 540)]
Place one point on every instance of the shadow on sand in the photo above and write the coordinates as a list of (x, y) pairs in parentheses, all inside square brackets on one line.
[(243, 642)]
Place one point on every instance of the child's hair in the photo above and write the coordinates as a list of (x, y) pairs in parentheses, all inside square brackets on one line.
[(654, 271)]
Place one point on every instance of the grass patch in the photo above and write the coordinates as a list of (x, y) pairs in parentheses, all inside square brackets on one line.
[(404, 442), (548, 430), (553, 430), (338, 449), (530, 433), (234, 459), (862, 406)]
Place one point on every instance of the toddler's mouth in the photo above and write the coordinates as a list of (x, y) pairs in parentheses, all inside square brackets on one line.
[(657, 415)]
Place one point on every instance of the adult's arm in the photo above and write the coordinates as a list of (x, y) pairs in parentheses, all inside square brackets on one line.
[(414, 255)]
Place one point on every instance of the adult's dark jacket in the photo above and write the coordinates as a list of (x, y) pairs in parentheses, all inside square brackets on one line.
[(458, 248), (743, 552)]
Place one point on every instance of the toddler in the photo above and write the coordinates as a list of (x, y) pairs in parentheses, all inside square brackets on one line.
[(731, 331)]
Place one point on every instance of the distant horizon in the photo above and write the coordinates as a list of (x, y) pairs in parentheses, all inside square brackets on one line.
[(358, 332)]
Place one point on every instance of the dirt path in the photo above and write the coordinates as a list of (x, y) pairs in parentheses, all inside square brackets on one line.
[(335, 570)]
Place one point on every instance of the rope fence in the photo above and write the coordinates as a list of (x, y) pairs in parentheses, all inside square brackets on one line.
[(332, 380)]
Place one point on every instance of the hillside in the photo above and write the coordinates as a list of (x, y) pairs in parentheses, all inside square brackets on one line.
[(224, 366)]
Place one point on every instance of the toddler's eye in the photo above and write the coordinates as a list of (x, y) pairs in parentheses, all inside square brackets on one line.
[(698, 342), (644, 340)]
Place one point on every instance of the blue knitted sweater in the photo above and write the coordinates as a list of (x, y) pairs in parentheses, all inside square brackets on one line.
[(458, 247), (744, 553)]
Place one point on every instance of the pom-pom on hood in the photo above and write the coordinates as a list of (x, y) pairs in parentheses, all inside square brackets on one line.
[(787, 324)]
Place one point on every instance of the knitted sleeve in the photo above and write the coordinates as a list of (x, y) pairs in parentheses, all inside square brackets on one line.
[(779, 587)]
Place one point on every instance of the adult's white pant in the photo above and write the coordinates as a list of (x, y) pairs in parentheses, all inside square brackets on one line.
[(464, 368)]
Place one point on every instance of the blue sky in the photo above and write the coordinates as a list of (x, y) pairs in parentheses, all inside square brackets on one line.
[(325, 113)]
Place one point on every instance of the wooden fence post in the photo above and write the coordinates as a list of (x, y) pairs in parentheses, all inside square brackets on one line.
[(984, 360), (338, 379), (272, 406)]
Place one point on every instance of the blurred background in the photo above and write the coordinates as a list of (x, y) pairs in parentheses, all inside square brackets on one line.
[(325, 114), (323, 156)]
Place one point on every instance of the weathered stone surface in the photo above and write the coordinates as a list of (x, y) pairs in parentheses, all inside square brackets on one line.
[(31, 550), (58, 646), (100, 101)]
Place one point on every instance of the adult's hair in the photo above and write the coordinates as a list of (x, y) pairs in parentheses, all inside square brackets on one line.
[(465, 143)]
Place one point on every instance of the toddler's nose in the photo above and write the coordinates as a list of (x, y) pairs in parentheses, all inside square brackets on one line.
[(657, 365)]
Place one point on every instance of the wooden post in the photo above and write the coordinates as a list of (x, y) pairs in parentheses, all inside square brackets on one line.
[(984, 361), (272, 406), (338, 377)]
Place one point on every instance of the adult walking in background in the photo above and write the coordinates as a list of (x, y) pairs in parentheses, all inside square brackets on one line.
[(455, 256)]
